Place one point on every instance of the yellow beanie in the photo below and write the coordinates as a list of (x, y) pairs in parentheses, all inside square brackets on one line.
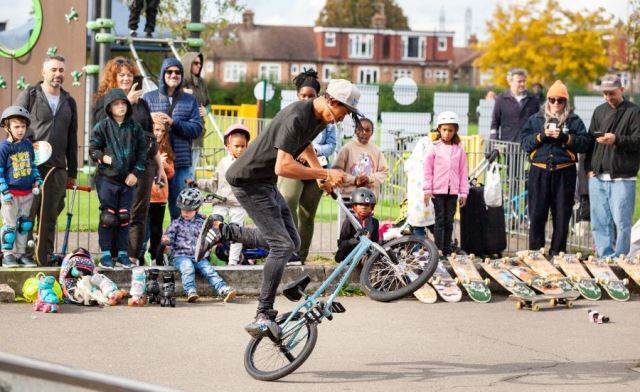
[(558, 89)]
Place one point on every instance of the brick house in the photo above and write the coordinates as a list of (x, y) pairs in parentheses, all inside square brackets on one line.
[(364, 55)]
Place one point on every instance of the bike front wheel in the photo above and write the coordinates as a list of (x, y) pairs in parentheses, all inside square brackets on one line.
[(269, 360), (413, 261)]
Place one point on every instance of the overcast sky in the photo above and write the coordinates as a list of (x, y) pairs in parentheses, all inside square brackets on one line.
[(422, 14)]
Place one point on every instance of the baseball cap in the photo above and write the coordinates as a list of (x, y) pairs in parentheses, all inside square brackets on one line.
[(346, 93), (610, 82)]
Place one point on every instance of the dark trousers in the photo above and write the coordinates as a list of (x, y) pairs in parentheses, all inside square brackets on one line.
[(150, 14), (116, 197), (156, 218), (140, 209), (445, 209), (275, 230), (45, 209), (550, 190)]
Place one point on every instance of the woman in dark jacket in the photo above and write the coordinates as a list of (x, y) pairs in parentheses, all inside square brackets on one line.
[(119, 73), (553, 138)]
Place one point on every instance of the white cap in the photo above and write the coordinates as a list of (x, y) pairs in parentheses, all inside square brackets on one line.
[(346, 93), (447, 118)]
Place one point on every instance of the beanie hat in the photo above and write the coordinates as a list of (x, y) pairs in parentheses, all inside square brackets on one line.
[(558, 89)]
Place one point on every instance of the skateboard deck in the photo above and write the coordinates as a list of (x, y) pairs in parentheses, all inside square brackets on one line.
[(631, 267), (42, 151), (425, 294), (546, 270), (445, 285), (470, 278), (603, 274), (572, 267), (550, 288)]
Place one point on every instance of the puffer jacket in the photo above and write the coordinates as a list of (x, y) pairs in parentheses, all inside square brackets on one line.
[(445, 170), (552, 152), (186, 119)]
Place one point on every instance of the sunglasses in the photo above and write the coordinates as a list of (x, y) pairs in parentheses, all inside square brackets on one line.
[(196, 63), (560, 100), (173, 71), (122, 61)]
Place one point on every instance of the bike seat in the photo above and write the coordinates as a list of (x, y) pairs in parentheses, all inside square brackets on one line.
[(294, 290)]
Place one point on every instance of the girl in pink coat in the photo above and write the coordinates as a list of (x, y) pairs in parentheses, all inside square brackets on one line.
[(445, 178)]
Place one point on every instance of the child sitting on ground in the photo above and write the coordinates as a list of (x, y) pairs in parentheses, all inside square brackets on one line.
[(363, 201), (119, 147), (182, 236), (236, 138), (18, 176), (445, 178)]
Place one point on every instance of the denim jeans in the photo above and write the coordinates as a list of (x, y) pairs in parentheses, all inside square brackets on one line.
[(611, 203), (188, 269), (275, 230), (176, 184)]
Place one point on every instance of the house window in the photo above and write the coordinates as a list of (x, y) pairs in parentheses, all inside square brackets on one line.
[(442, 44), (330, 39), (297, 68), (441, 76), (235, 72), (360, 45), (368, 75), (402, 73), (327, 70), (208, 66), (270, 72), (413, 48)]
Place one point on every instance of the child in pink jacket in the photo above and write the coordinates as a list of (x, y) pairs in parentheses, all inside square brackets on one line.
[(445, 178)]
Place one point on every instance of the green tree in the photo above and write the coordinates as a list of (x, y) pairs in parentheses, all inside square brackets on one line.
[(633, 36), (358, 13), (549, 41)]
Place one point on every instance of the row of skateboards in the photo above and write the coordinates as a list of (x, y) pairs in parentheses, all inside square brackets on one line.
[(532, 279)]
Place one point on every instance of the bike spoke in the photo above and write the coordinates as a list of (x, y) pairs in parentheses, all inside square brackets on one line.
[(388, 276)]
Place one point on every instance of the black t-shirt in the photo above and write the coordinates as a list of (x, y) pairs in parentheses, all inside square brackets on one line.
[(291, 130)]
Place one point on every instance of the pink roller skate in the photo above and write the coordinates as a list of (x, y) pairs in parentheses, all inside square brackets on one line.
[(137, 287), (47, 301), (108, 288)]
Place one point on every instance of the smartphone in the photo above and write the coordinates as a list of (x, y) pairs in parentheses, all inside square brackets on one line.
[(138, 79), (553, 124), (598, 134)]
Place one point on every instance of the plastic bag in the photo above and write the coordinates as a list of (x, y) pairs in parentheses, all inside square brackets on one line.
[(492, 186), (30, 288)]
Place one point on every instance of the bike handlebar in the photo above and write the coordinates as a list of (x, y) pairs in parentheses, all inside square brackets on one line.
[(493, 155)]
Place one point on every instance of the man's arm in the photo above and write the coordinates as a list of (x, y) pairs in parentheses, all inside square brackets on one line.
[(495, 120), (287, 166)]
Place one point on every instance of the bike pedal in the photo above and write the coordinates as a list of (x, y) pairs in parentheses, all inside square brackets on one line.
[(337, 307)]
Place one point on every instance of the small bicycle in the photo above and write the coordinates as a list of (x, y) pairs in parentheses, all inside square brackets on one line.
[(390, 271)]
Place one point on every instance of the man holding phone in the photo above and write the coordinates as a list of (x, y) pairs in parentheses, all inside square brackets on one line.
[(612, 165)]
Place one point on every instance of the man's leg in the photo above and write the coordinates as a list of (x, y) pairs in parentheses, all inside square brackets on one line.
[(150, 13), (601, 217), (309, 201), (563, 189), (291, 190), (140, 211), (135, 7), (156, 217), (539, 199), (623, 201), (176, 185), (51, 204)]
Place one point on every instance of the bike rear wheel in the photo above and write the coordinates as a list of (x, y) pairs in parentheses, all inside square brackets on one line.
[(416, 258), (266, 360)]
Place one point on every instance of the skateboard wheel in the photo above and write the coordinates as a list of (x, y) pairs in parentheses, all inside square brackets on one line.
[(487, 281), (561, 254), (467, 281), (625, 281), (472, 256), (529, 282), (486, 260), (535, 307), (519, 305), (437, 280), (511, 283), (579, 256), (553, 302), (457, 280), (569, 304)]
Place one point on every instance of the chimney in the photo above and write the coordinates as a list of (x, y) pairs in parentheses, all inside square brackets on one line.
[(379, 20), (247, 19), (473, 40)]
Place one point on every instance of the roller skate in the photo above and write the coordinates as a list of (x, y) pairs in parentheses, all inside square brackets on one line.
[(137, 287), (47, 301), (168, 290), (108, 289), (153, 287)]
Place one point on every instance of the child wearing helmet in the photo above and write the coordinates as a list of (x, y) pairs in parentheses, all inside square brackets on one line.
[(236, 139), (18, 177), (445, 178), (363, 201), (182, 236)]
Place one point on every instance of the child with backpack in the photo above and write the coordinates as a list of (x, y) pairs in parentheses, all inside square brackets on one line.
[(18, 177), (182, 236), (363, 201), (445, 178)]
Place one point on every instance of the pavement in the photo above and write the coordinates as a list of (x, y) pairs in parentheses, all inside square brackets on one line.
[(399, 346)]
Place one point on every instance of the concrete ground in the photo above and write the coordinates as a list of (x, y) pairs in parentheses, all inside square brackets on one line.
[(400, 346)]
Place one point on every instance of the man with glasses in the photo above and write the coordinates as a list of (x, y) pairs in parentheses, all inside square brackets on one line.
[(170, 105), (54, 118), (612, 165), (194, 84)]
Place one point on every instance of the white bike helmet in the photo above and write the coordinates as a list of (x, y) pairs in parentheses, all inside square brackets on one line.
[(447, 118)]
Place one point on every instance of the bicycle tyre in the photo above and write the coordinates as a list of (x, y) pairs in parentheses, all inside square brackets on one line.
[(275, 374), (390, 286)]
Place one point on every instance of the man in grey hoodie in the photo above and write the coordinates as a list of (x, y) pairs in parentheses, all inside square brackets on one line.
[(54, 118)]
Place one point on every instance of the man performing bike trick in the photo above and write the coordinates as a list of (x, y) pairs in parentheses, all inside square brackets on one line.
[(253, 177)]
